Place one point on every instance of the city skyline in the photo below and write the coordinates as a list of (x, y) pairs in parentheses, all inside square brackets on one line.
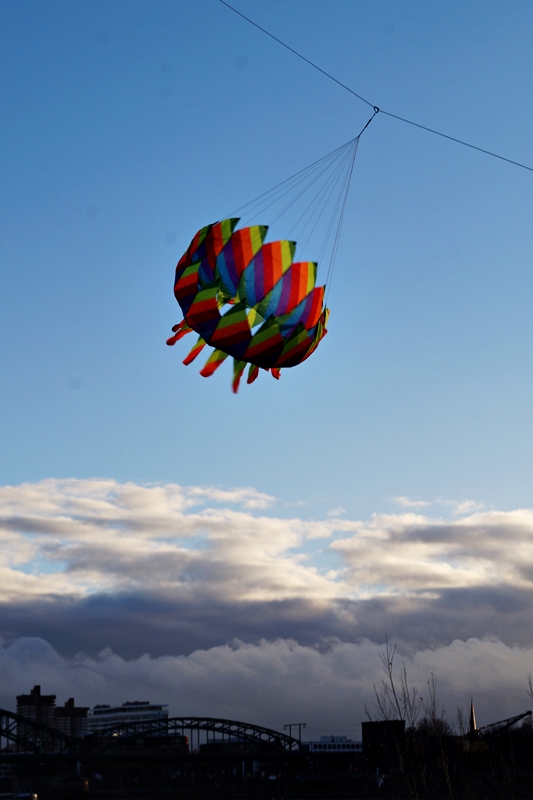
[(246, 556)]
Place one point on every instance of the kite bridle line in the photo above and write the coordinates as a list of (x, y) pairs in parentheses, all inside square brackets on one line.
[(332, 175), (331, 266)]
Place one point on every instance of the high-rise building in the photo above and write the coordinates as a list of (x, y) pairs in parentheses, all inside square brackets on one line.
[(71, 719), (37, 707), (42, 709)]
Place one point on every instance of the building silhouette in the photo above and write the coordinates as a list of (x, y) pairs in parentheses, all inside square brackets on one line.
[(41, 708), (71, 719), (332, 744), (37, 707)]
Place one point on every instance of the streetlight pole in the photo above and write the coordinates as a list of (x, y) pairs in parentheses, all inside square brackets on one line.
[(301, 726)]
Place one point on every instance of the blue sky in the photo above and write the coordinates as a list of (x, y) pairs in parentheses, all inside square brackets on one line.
[(126, 126)]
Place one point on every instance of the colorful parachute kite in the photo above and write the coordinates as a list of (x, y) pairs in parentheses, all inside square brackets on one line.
[(248, 300)]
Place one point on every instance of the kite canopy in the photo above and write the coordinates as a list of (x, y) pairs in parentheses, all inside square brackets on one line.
[(248, 299)]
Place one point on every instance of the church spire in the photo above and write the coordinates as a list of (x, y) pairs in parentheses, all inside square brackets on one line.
[(473, 726)]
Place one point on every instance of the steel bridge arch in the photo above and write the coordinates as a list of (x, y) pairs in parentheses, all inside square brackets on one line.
[(28, 737), (118, 736), (25, 736)]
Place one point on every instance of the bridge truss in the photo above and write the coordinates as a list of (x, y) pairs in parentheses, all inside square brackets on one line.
[(22, 736)]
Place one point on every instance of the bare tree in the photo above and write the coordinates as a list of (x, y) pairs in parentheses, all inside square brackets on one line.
[(461, 722), (530, 685), (395, 699), (434, 723)]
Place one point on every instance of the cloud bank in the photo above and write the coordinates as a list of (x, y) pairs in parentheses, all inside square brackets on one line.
[(270, 683), (200, 576)]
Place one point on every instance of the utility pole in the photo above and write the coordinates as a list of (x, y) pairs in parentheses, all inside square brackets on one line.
[(300, 726)]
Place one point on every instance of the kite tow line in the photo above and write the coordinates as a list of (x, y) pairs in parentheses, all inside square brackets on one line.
[(364, 100), (376, 111)]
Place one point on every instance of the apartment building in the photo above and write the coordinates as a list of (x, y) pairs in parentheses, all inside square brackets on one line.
[(103, 716)]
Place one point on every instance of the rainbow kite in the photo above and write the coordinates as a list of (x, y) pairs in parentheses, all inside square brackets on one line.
[(249, 300)]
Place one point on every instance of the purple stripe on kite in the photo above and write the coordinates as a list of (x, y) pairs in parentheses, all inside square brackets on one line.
[(286, 282), (259, 277)]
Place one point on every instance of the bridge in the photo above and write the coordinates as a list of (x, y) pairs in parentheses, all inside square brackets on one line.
[(22, 736)]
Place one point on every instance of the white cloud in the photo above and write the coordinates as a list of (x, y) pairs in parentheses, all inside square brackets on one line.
[(464, 506), (86, 536), (109, 536), (170, 565), (338, 511), (405, 553), (247, 497), (406, 502)]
